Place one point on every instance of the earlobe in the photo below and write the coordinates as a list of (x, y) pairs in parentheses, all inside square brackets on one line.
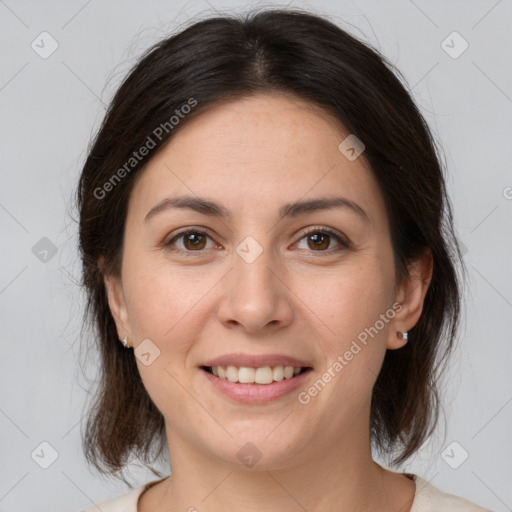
[(398, 341), (117, 305), (411, 296)]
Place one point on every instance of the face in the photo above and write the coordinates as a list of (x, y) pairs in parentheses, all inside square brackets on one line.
[(259, 288)]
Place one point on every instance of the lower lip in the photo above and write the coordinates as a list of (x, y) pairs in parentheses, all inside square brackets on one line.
[(256, 393)]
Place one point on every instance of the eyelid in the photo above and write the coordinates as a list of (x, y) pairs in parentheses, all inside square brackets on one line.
[(185, 231), (340, 238)]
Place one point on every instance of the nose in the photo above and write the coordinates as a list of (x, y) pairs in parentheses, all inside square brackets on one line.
[(255, 296)]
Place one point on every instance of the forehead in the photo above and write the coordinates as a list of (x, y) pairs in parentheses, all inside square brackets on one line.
[(255, 152), (262, 126)]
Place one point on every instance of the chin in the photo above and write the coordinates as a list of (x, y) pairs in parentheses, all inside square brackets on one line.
[(256, 449)]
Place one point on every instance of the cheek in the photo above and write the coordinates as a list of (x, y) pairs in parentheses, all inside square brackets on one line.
[(165, 307), (348, 301), (161, 298), (353, 310)]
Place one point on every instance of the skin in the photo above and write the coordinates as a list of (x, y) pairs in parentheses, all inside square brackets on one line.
[(252, 156)]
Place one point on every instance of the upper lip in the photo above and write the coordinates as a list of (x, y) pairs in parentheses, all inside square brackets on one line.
[(256, 361)]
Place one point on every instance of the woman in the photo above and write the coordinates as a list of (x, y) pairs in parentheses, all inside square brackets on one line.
[(264, 225)]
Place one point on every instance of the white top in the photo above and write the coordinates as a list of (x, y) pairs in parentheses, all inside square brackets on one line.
[(427, 498)]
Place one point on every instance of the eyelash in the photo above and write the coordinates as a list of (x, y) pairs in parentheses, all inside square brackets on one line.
[(313, 230)]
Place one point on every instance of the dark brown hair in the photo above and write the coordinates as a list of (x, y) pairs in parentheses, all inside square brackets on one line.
[(224, 58)]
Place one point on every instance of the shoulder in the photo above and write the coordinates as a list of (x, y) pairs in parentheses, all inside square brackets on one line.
[(430, 499), (125, 503)]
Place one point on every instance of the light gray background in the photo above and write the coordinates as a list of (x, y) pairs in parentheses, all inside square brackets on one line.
[(51, 107)]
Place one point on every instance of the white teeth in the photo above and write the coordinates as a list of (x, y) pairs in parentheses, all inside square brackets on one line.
[(288, 372), (232, 373), (279, 373), (263, 375), (246, 375)]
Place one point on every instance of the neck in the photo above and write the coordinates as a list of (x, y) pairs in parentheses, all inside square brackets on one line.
[(318, 479)]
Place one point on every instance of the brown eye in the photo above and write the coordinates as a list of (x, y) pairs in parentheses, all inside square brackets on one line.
[(319, 240), (193, 241)]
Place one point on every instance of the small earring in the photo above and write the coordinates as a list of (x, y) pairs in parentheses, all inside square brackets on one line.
[(403, 335), (124, 341)]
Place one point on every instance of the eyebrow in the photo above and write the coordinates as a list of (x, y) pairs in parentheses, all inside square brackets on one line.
[(293, 209)]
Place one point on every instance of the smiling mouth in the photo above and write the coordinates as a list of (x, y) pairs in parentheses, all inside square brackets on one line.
[(261, 376)]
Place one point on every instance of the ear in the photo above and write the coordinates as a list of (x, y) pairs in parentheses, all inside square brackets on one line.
[(411, 296), (117, 304)]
